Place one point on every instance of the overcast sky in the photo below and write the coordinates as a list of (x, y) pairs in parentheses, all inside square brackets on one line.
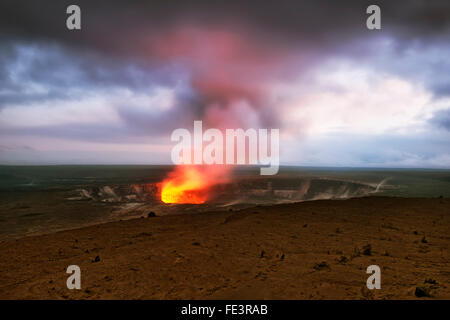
[(341, 95)]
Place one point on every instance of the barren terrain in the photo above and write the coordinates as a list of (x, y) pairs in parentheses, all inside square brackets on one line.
[(310, 250)]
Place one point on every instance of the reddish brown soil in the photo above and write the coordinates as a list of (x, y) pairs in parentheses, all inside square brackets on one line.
[(310, 250)]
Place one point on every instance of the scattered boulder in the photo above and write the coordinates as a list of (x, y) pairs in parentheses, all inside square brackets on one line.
[(97, 259), (280, 255), (151, 214), (144, 234), (321, 266), (430, 281), (421, 292), (424, 240), (367, 250), (262, 254), (431, 284)]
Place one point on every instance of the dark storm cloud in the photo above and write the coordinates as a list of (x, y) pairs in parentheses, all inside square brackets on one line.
[(120, 27), (124, 29)]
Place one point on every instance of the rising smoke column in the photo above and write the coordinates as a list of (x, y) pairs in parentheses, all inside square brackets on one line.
[(230, 76)]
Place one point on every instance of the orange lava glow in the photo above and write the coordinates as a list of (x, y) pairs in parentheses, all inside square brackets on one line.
[(186, 184)]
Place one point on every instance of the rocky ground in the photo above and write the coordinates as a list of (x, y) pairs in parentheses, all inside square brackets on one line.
[(310, 250)]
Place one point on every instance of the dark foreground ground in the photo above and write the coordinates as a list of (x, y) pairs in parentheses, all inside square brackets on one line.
[(309, 250)]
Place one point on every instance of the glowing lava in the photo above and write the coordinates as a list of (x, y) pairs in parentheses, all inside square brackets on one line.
[(187, 184)]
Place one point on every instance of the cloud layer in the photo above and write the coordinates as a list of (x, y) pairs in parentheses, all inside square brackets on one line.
[(137, 71)]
